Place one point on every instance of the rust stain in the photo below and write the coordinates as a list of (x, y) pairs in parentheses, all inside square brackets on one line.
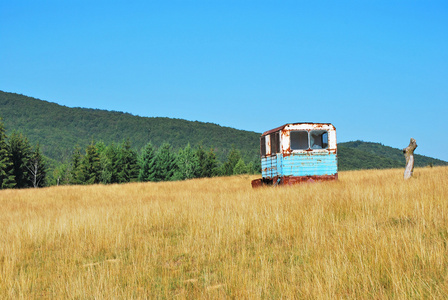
[(292, 180), (257, 183), (274, 130), (287, 153)]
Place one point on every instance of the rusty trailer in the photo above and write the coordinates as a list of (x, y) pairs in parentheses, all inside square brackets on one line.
[(298, 152)]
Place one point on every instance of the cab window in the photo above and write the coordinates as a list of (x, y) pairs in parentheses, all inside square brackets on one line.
[(299, 140), (304, 140), (318, 139)]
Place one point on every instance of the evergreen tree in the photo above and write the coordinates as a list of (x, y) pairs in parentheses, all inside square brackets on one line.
[(20, 150), (202, 161), (147, 164), (37, 168), (90, 165), (104, 163), (211, 165), (76, 174), (109, 160), (61, 175), (165, 163), (251, 169), (232, 159), (187, 163), (208, 163), (100, 147), (6, 165), (128, 163), (240, 167)]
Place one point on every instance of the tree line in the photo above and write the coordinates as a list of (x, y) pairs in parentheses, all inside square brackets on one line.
[(23, 165)]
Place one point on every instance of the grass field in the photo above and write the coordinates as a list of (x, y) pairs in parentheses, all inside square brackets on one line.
[(369, 235)]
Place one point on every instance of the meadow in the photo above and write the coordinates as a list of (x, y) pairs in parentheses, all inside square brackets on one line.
[(369, 235)]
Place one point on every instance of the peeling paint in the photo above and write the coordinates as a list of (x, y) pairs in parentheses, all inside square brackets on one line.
[(283, 164)]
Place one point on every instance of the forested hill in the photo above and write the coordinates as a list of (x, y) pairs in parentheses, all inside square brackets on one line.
[(59, 129), (366, 155)]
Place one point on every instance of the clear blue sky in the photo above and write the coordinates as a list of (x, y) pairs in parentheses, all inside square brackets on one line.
[(377, 70)]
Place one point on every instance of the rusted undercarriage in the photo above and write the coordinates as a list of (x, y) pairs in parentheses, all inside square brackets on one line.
[(291, 180)]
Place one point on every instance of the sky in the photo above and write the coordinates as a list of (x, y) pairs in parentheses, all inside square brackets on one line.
[(377, 70)]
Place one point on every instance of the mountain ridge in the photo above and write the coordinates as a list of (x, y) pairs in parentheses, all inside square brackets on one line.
[(72, 126), (60, 128)]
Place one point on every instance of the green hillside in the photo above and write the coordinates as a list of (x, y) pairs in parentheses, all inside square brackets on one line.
[(59, 129), (366, 155)]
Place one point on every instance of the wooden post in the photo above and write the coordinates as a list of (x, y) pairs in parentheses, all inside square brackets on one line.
[(409, 154)]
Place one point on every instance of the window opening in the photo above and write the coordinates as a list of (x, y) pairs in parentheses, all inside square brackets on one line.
[(318, 139), (299, 140), (263, 146), (275, 143)]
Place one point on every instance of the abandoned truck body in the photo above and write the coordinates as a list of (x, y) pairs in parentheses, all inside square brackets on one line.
[(298, 152)]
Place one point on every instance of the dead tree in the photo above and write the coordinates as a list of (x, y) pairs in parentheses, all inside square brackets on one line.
[(35, 173), (409, 154), (36, 167)]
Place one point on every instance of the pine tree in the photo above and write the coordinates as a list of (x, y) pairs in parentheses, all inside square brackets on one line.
[(109, 160), (76, 174), (251, 169), (7, 179), (37, 168), (240, 167), (232, 159), (128, 162), (90, 165), (211, 164), (104, 163), (147, 164), (202, 161), (20, 150), (208, 164), (187, 164), (165, 163)]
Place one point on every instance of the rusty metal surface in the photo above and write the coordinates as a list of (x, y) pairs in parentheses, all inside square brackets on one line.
[(284, 138), (292, 180), (268, 144), (274, 130), (286, 144), (270, 166), (257, 183), (317, 125)]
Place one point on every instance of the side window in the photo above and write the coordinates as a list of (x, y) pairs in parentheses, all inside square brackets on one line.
[(318, 139), (263, 146), (299, 140), (275, 143)]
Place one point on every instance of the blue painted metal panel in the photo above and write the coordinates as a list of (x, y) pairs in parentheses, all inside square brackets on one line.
[(299, 164), (314, 163), (269, 166)]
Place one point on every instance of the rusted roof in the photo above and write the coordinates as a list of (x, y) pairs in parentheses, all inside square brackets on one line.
[(282, 127)]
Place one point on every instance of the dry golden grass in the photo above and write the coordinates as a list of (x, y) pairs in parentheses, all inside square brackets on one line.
[(369, 235)]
